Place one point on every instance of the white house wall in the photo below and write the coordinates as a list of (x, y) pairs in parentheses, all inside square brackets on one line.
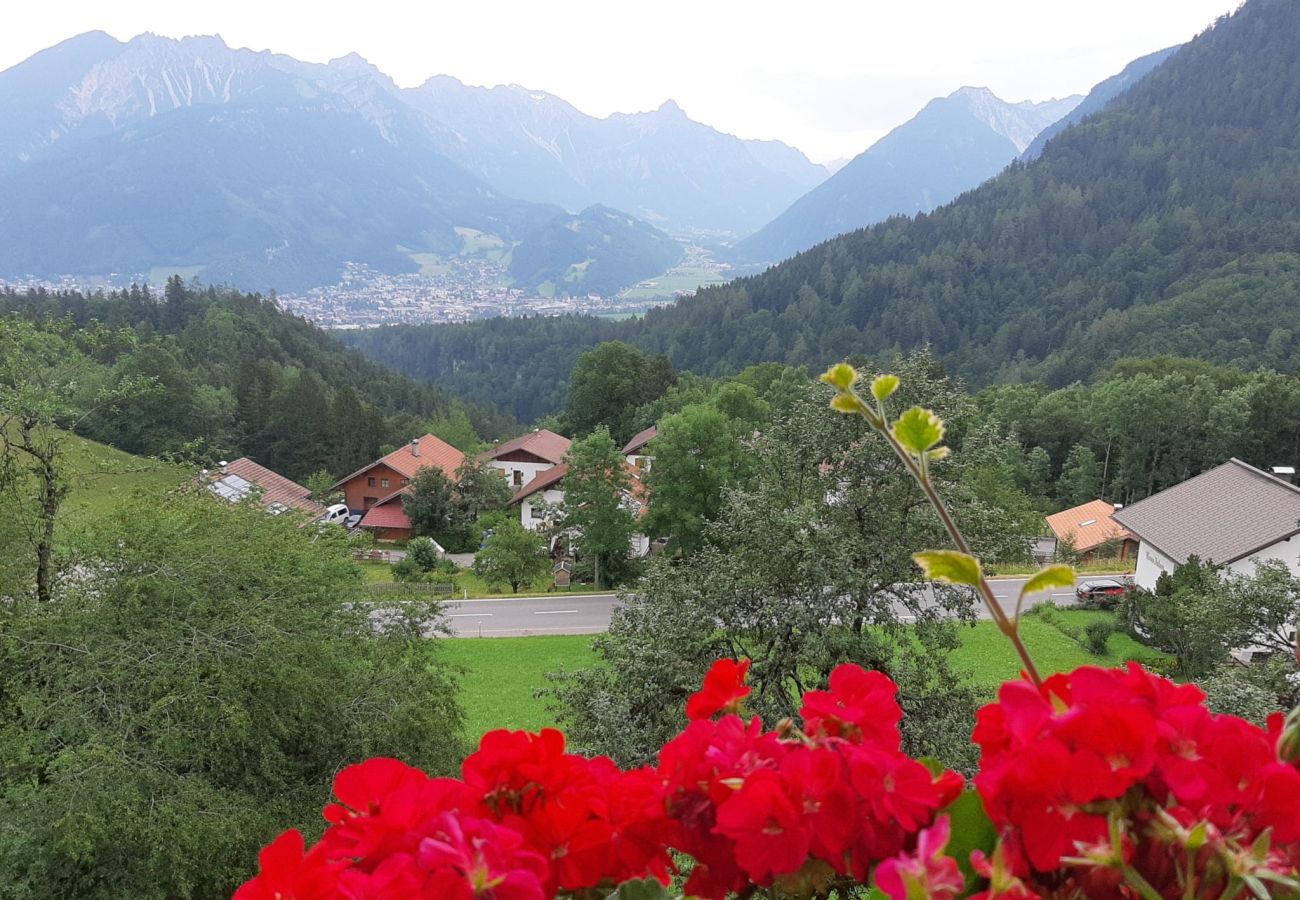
[(530, 471), (1286, 551), (1150, 563), (638, 546)]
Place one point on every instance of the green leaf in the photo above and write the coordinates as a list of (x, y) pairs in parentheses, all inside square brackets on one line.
[(646, 889), (1058, 576), (840, 376), (918, 430), (971, 830), (847, 403), (948, 566), (883, 386)]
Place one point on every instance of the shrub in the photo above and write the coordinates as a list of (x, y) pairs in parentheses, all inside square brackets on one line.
[(407, 569), (423, 552), (1096, 636)]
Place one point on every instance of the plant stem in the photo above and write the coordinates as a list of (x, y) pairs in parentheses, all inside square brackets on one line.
[(1008, 626)]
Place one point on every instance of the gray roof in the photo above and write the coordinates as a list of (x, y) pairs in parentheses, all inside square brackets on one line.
[(1221, 515)]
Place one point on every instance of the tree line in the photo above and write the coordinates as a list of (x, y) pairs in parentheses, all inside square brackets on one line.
[(231, 375)]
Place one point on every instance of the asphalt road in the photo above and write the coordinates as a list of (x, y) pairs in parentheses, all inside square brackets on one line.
[(590, 613)]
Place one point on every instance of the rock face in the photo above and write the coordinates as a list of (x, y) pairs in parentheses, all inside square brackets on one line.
[(952, 145)]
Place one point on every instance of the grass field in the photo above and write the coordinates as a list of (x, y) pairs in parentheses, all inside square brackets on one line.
[(502, 675), (103, 478), (680, 278)]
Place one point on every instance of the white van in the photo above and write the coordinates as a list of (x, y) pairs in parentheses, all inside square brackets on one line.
[(337, 514)]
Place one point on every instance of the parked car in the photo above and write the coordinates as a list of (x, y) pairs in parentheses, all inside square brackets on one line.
[(338, 514), (1101, 593)]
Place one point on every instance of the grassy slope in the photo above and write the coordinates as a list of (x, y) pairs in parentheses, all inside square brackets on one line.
[(103, 477), (502, 674)]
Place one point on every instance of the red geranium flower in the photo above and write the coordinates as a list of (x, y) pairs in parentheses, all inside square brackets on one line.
[(724, 688), (287, 873)]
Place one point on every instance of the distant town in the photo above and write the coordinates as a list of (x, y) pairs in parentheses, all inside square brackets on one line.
[(458, 289)]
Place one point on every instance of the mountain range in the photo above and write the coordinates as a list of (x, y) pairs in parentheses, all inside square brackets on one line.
[(1164, 222), (660, 166), (950, 146), (255, 168)]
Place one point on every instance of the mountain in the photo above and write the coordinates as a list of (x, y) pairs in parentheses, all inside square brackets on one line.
[(1165, 223), (950, 146), (1098, 97), (660, 166), (600, 251), (241, 167)]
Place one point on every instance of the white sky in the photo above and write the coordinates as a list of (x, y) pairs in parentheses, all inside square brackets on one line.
[(827, 77)]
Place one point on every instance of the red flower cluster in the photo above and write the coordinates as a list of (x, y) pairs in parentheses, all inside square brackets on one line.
[(755, 806), (525, 821), (1101, 783), (1110, 775)]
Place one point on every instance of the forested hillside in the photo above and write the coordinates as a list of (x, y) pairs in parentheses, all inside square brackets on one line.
[(231, 375), (1165, 223)]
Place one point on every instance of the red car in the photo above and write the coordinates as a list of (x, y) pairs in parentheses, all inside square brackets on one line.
[(1100, 591)]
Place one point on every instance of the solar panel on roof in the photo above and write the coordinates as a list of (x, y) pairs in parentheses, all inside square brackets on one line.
[(232, 488)]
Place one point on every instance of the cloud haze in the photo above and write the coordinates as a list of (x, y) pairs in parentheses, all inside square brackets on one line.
[(827, 77)]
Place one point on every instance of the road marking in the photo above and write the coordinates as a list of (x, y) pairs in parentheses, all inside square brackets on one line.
[(552, 612), (469, 615), (1063, 595)]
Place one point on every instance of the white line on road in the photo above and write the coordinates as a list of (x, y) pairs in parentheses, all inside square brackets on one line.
[(469, 615), (552, 612)]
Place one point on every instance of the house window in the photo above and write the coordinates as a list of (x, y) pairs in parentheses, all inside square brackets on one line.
[(383, 482), (534, 512), (405, 482), (370, 501), (370, 482), (519, 478)]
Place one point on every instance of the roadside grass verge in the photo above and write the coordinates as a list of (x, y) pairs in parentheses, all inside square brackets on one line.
[(502, 675)]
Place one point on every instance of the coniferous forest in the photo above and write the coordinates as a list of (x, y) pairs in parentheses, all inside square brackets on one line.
[(1163, 224)]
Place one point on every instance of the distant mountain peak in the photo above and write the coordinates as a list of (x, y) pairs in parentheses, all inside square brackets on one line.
[(669, 108), (353, 62), (1018, 122)]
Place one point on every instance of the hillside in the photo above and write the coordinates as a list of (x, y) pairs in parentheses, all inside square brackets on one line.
[(661, 166), (1101, 94), (233, 376), (600, 250), (1165, 220), (157, 155), (950, 146)]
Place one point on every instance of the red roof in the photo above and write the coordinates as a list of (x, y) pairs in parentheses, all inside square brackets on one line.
[(541, 481), (433, 451), (550, 477), (1090, 524), (386, 515), (640, 439), (541, 443), (274, 488)]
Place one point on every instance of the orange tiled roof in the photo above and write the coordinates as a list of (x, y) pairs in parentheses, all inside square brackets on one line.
[(433, 452), (541, 443), (1090, 524)]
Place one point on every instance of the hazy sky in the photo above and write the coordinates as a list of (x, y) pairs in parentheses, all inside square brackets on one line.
[(827, 77)]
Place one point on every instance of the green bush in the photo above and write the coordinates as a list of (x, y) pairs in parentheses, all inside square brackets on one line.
[(407, 569), (423, 552), (1096, 636)]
